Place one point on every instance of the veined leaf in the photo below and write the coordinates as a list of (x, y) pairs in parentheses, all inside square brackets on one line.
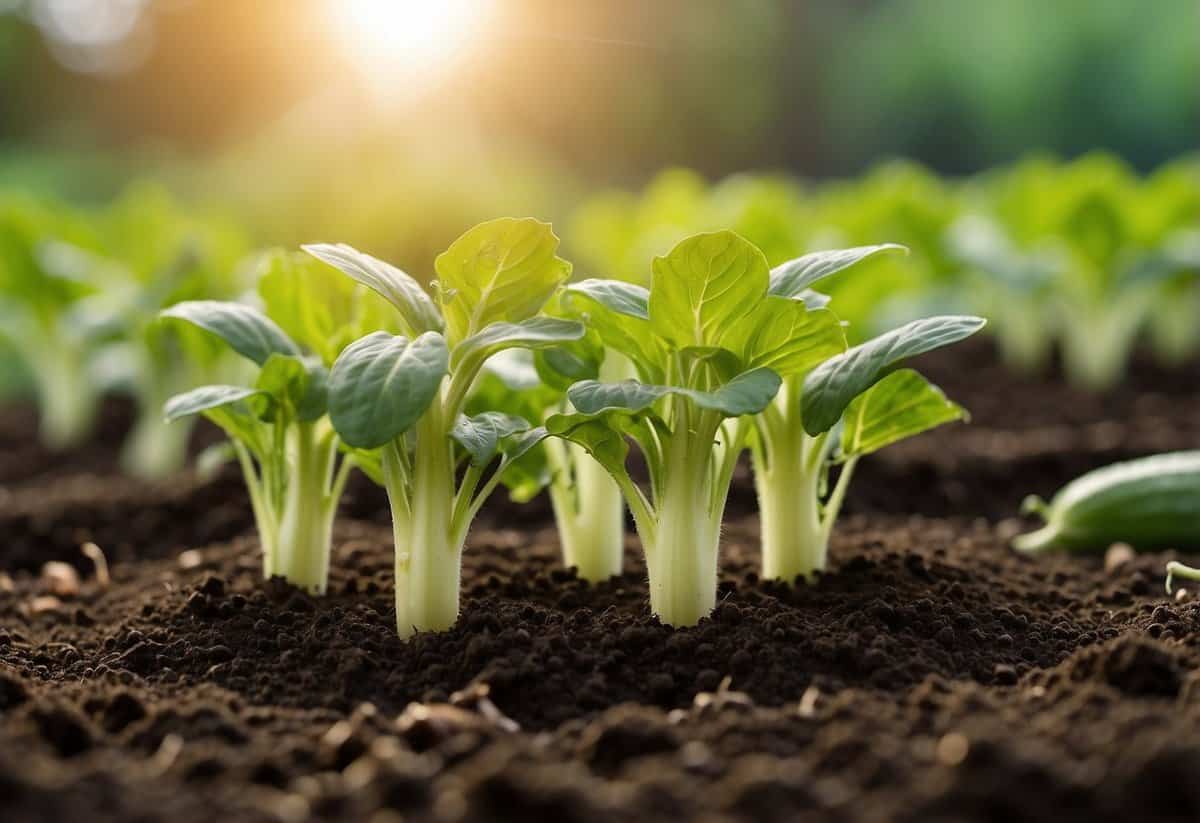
[(616, 295), (319, 307), (899, 406), (831, 386), (534, 333), (248, 331), (748, 393), (793, 278), (788, 337), (601, 435), (416, 307), (704, 287), (382, 384), (501, 270), (204, 398), (483, 434), (619, 314)]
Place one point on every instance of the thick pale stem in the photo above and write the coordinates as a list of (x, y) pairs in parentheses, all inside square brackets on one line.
[(155, 448), (66, 399), (793, 541), (1097, 340), (428, 541), (590, 516), (1022, 337), (305, 533), (682, 557)]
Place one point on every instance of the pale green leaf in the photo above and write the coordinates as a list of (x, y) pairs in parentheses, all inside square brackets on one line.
[(501, 270), (416, 308), (788, 337), (705, 287), (899, 406)]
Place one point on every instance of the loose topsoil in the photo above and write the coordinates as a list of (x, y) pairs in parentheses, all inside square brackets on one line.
[(932, 675)]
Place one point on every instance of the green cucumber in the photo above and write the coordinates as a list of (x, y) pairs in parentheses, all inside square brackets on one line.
[(1149, 503)]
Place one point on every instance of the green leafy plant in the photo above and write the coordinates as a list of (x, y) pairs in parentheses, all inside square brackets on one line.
[(709, 345), (279, 427), (399, 399), (836, 406), (46, 316), (81, 296), (1082, 255)]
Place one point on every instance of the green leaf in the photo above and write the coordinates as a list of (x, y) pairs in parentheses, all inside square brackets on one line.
[(534, 333), (748, 393), (483, 434), (619, 315), (416, 308), (382, 384), (602, 435), (705, 287), (831, 386), (793, 278), (520, 445), (623, 298), (788, 337), (561, 367), (318, 306), (300, 385), (501, 270), (205, 398), (899, 406), (248, 331)]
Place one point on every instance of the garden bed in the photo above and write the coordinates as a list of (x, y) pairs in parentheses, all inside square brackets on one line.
[(933, 674)]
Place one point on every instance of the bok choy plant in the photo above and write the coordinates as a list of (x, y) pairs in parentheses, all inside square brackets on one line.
[(709, 346), (81, 292), (1080, 255), (589, 513), (399, 399), (832, 411), (46, 316), (279, 427)]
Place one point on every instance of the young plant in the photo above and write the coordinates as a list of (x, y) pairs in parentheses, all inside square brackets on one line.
[(399, 399), (588, 510), (82, 293), (47, 316), (837, 405), (166, 254), (1083, 250), (279, 427), (709, 345)]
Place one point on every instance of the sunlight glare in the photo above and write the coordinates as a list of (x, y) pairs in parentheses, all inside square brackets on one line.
[(393, 41)]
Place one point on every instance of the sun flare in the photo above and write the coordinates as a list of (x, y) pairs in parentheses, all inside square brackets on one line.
[(393, 40)]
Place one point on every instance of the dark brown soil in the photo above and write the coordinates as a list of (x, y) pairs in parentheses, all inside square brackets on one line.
[(931, 675)]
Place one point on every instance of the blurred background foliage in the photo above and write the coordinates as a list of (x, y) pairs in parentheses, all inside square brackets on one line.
[(996, 139), (617, 90)]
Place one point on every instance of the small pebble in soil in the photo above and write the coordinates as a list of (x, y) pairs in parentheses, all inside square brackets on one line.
[(1118, 555), (60, 579), (952, 749)]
